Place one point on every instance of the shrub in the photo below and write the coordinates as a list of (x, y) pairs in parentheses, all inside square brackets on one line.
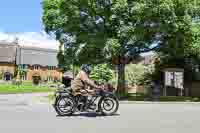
[(135, 74), (138, 74), (141, 97), (16, 82), (137, 97), (101, 73), (1, 75)]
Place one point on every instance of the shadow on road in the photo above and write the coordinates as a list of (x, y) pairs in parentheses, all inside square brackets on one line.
[(89, 115)]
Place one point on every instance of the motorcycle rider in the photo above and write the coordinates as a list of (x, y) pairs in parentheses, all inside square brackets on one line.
[(81, 81)]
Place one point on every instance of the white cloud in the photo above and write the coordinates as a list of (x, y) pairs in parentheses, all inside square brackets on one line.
[(6, 37), (32, 39)]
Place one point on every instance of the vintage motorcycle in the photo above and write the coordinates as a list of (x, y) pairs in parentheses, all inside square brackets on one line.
[(103, 101)]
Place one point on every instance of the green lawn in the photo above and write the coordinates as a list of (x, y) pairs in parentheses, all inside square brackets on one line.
[(25, 88)]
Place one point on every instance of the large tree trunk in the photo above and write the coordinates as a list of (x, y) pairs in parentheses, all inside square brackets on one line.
[(121, 90)]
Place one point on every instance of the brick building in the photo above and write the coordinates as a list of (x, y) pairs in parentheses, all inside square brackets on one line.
[(28, 62), (7, 60)]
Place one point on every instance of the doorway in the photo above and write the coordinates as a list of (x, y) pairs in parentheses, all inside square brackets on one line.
[(36, 79), (7, 76)]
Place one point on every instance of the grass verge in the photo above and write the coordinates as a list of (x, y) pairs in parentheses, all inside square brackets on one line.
[(141, 97), (164, 98), (25, 88)]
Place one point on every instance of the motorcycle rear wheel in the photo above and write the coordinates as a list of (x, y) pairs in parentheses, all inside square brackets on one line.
[(64, 105)]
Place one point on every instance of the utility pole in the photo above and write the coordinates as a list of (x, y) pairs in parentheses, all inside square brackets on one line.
[(17, 56), (73, 55)]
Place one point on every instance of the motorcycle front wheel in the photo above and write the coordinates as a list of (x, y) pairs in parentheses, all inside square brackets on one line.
[(108, 105), (64, 105)]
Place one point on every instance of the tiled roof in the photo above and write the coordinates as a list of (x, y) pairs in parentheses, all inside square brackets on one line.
[(10, 52), (7, 53), (32, 56)]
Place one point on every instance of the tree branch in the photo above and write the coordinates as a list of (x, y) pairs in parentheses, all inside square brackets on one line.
[(148, 50)]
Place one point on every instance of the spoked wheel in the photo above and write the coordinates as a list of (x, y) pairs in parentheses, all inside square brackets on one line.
[(108, 105), (64, 105)]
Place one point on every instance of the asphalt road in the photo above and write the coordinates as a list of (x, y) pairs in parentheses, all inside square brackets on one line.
[(20, 114)]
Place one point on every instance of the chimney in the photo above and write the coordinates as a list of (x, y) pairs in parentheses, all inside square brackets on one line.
[(16, 41)]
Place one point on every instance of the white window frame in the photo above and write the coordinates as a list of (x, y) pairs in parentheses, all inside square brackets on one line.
[(49, 78), (36, 67), (23, 77), (51, 68)]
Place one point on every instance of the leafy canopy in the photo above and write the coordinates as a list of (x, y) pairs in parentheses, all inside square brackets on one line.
[(101, 73), (102, 29)]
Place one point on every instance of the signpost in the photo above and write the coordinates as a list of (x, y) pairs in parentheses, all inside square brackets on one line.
[(174, 78)]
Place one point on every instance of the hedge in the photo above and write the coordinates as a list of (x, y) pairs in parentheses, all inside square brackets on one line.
[(143, 97)]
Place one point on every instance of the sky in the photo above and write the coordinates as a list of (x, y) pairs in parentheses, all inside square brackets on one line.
[(20, 15), (22, 19)]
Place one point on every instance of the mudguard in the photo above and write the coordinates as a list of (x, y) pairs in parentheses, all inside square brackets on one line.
[(62, 93), (108, 94)]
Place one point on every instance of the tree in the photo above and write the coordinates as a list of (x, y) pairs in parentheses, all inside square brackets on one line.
[(135, 74), (101, 73), (189, 59), (193, 52), (195, 47), (170, 23), (1, 75), (105, 31)]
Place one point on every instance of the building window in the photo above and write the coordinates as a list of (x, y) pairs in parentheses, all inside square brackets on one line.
[(7, 76), (36, 67), (23, 66), (49, 79), (23, 76), (51, 67)]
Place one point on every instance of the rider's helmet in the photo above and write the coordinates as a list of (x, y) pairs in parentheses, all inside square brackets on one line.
[(86, 68)]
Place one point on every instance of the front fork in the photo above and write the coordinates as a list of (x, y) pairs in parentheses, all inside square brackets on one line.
[(57, 95)]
